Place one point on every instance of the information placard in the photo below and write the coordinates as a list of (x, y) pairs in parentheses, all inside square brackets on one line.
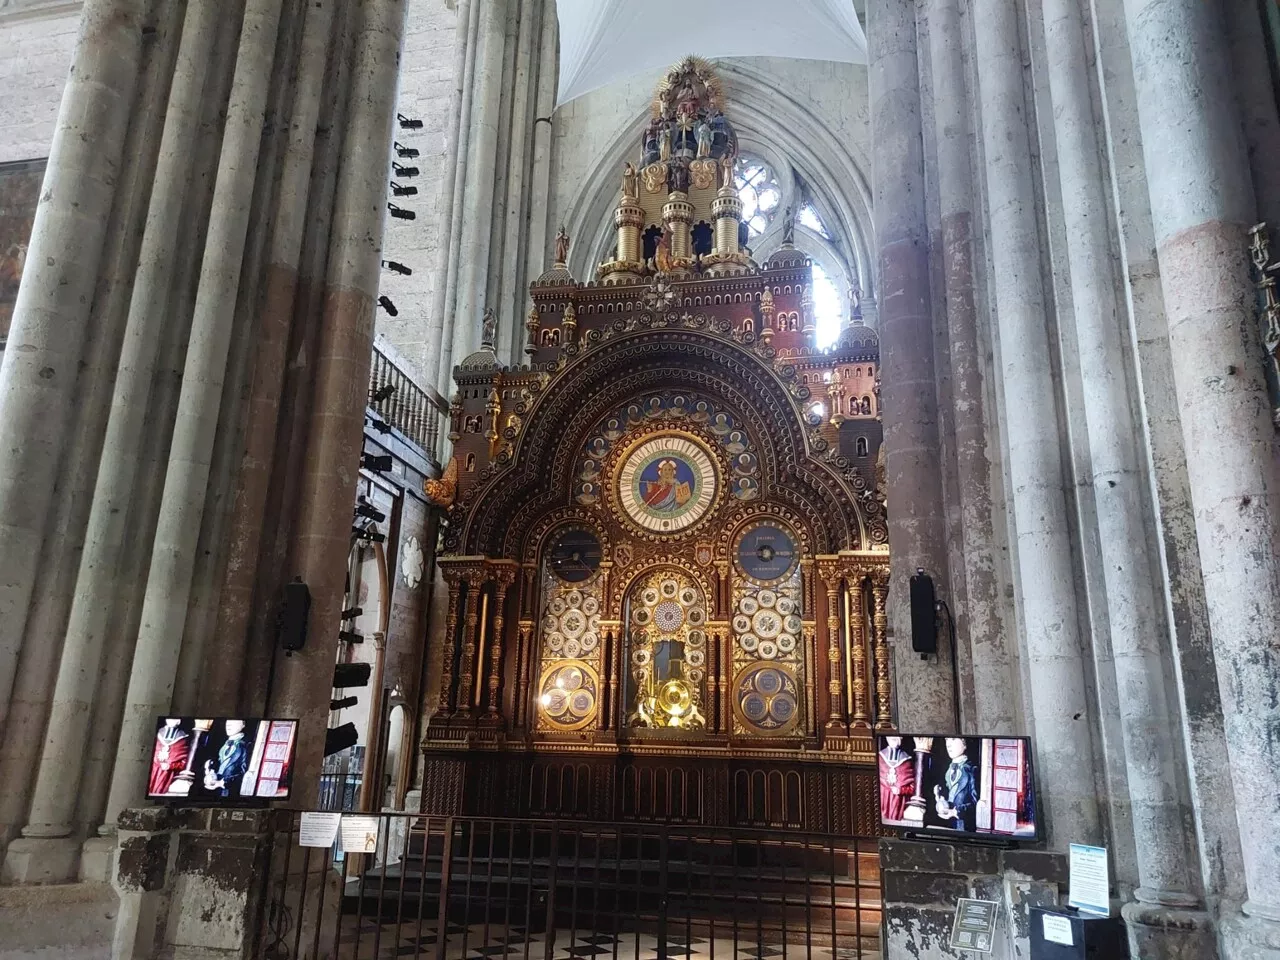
[(1089, 890), (1057, 929), (359, 834), (975, 925), (318, 828)]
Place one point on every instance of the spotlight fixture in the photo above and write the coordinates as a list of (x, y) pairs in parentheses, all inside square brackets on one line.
[(385, 303), (399, 268), (349, 636), (383, 393), (406, 153), (405, 172), (369, 512), (380, 425), (409, 123), (367, 535), (352, 613), (400, 213), (398, 190), (343, 703), (375, 463)]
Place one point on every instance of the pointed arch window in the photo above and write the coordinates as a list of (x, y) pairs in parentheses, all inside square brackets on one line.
[(808, 216)]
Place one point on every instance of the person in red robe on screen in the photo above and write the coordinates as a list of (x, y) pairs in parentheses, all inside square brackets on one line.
[(173, 746), (897, 779)]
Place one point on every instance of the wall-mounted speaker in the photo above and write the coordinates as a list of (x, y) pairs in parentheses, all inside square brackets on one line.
[(924, 618), (293, 615)]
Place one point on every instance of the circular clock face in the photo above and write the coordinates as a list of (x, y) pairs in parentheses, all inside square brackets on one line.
[(667, 484), (766, 553), (575, 555)]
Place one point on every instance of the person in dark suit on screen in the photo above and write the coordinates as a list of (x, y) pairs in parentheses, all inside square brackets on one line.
[(959, 804), (233, 762)]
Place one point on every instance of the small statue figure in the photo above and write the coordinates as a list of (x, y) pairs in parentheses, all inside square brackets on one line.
[(488, 328), (662, 258), (726, 172), (855, 300), (664, 142), (702, 133), (679, 176), (562, 247), (629, 189), (789, 227)]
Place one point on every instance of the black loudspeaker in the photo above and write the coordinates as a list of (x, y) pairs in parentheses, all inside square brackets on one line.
[(293, 615), (924, 619)]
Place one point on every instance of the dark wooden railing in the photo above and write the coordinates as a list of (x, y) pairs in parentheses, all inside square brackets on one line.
[(412, 407)]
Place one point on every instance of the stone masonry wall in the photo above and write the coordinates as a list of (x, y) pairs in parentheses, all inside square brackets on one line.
[(35, 51)]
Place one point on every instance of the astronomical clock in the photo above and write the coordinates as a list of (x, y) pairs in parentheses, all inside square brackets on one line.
[(665, 543)]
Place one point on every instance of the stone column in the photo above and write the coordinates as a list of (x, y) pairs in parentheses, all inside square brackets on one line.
[(46, 851), (164, 605), (1201, 204), (320, 541), (40, 366), (480, 184), (1046, 586), (222, 666), (1154, 771), (991, 663), (440, 329), (917, 532)]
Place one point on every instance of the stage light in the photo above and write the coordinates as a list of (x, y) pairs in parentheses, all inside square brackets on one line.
[(380, 425), (375, 463), (368, 535), (369, 512), (400, 213), (407, 153), (385, 303), (383, 393), (343, 703), (405, 172), (400, 191), (399, 268), (352, 613), (349, 636), (409, 123)]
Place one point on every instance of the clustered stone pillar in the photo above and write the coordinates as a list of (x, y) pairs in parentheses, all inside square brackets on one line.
[(1052, 643), (990, 658), (226, 196), (1202, 203), (917, 533), (1162, 843)]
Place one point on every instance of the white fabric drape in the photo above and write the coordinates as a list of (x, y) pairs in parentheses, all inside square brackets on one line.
[(606, 40)]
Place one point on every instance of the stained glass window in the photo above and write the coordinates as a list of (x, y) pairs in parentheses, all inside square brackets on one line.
[(761, 196)]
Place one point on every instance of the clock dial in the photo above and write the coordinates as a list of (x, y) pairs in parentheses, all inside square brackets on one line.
[(574, 555), (667, 484), (766, 552)]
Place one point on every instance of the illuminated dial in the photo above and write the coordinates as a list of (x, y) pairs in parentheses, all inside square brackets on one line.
[(667, 484), (766, 552), (575, 555)]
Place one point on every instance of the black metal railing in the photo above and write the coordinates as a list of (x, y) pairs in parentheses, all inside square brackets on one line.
[(445, 888), (415, 409)]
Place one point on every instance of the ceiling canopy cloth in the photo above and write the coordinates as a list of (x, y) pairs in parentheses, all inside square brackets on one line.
[(606, 40)]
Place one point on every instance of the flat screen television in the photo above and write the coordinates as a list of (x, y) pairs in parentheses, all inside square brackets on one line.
[(222, 759), (978, 787)]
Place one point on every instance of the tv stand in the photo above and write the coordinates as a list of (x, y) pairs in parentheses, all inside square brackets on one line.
[(976, 840)]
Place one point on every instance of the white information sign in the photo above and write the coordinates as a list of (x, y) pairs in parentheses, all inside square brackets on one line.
[(359, 834), (318, 829), (1089, 890), (1057, 929)]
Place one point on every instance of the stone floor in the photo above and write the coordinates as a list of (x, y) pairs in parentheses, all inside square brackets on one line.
[(371, 942)]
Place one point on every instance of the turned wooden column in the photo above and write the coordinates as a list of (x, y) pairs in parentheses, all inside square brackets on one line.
[(836, 713), (470, 640), (880, 650), (495, 645), (855, 620), (450, 643)]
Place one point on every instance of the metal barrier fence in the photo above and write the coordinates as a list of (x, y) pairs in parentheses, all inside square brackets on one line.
[(448, 888)]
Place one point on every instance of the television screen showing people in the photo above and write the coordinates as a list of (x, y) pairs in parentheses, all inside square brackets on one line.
[(223, 759), (957, 785)]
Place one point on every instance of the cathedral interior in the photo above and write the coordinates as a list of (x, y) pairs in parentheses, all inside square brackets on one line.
[(484, 478)]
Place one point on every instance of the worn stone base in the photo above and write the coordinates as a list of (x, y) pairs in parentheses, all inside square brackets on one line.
[(71, 921), (1166, 933), (36, 860), (1248, 938), (97, 859)]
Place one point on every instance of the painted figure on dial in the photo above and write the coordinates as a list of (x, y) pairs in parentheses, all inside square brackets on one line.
[(667, 492)]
